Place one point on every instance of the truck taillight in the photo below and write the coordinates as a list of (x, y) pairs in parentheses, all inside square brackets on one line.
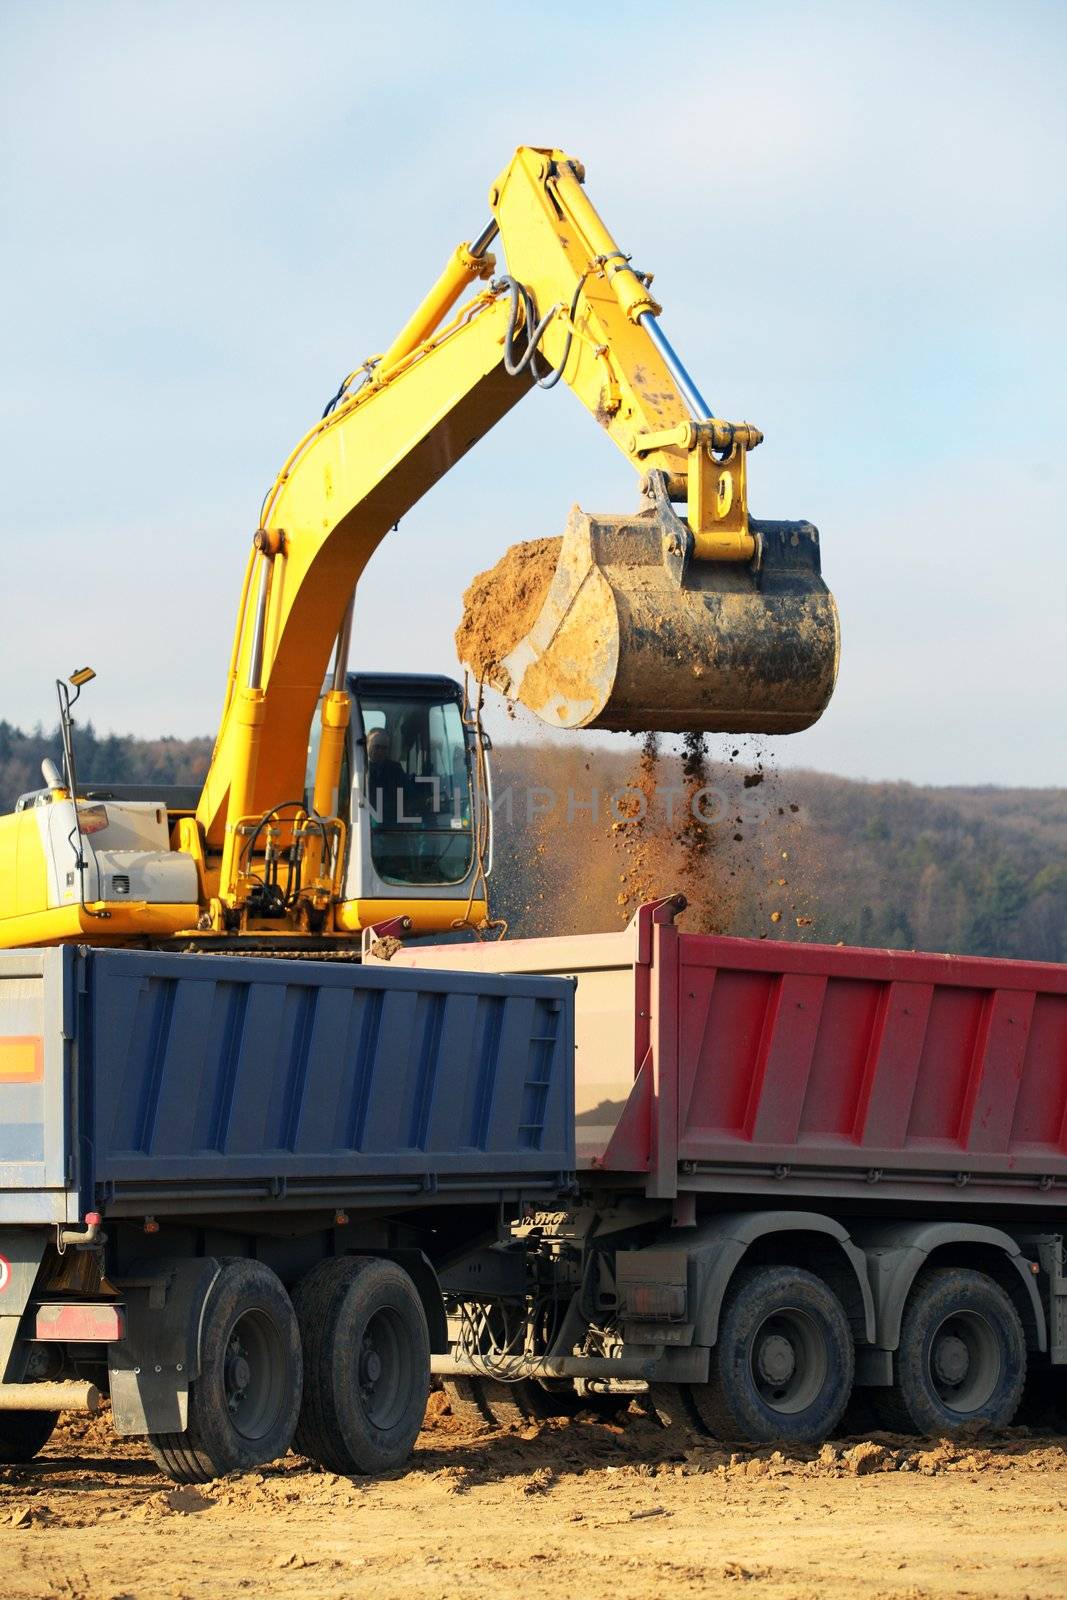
[(81, 1324), (656, 1302)]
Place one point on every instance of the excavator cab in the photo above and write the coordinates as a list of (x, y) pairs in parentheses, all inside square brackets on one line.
[(414, 807)]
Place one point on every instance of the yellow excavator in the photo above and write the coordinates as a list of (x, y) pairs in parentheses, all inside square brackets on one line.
[(687, 614)]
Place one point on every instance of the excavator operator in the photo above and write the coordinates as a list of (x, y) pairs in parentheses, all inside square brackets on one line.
[(389, 789)]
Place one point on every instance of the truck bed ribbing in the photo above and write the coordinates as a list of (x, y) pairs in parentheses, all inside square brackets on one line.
[(155, 1082), (756, 1067)]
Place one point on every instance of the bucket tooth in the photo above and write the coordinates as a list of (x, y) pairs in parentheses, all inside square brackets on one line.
[(637, 634)]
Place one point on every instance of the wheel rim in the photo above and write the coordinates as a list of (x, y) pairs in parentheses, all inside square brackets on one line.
[(254, 1373), (964, 1361), (788, 1360), (382, 1374)]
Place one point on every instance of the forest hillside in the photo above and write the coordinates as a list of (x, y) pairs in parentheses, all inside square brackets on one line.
[(758, 851)]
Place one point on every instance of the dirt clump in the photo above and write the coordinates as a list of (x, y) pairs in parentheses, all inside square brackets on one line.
[(501, 605), (866, 1457), (588, 832)]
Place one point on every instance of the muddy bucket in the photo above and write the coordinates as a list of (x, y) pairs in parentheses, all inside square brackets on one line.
[(634, 633)]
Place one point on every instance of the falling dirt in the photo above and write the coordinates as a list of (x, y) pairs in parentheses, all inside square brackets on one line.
[(710, 907), (680, 837), (587, 832), (635, 831), (611, 1512), (502, 605)]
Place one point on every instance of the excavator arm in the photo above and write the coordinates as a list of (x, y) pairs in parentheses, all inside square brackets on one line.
[(433, 394), (572, 308)]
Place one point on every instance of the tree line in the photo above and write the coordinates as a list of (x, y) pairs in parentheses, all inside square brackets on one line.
[(783, 853)]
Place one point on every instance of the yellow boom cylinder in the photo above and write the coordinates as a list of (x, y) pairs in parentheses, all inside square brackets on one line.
[(249, 709), (462, 269), (631, 293), (336, 709)]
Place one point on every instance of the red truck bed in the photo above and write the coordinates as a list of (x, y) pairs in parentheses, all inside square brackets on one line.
[(708, 1063)]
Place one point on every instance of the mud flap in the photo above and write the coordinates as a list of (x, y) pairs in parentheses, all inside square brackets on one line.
[(151, 1369)]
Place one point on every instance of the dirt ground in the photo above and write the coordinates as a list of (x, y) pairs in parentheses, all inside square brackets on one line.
[(574, 1508)]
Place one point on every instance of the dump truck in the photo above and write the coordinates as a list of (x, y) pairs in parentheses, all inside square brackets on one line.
[(259, 1201), (225, 1183), (802, 1170)]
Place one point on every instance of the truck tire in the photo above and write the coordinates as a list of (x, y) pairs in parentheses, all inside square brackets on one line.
[(23, 1433), (466, 1396), (510, 1405), (563, 1400), (672, 1407), (961, 1357), (783, 1363), (244, 1405), (1044, 1402), (528, 1401), (366, 1364)]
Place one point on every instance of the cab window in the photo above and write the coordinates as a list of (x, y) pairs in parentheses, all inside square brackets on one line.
[(416, 787)]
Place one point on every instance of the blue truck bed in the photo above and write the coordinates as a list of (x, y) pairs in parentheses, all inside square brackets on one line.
[(136, 1082)]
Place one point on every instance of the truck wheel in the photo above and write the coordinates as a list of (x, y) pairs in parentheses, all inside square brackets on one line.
[(23, 1433), (466, 1396), (530, 1400), (783, 1363), (1044, 1402), (486, 1402), (366, 1364), (540, 1403), (672, 1406), (243, 1407), (961, 1358), (563, 1400), (510, 1405)]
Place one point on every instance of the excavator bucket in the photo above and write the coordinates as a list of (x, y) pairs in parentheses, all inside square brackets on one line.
[(635, 633)]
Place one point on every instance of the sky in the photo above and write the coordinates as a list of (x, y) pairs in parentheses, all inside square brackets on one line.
[(856, 219)]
